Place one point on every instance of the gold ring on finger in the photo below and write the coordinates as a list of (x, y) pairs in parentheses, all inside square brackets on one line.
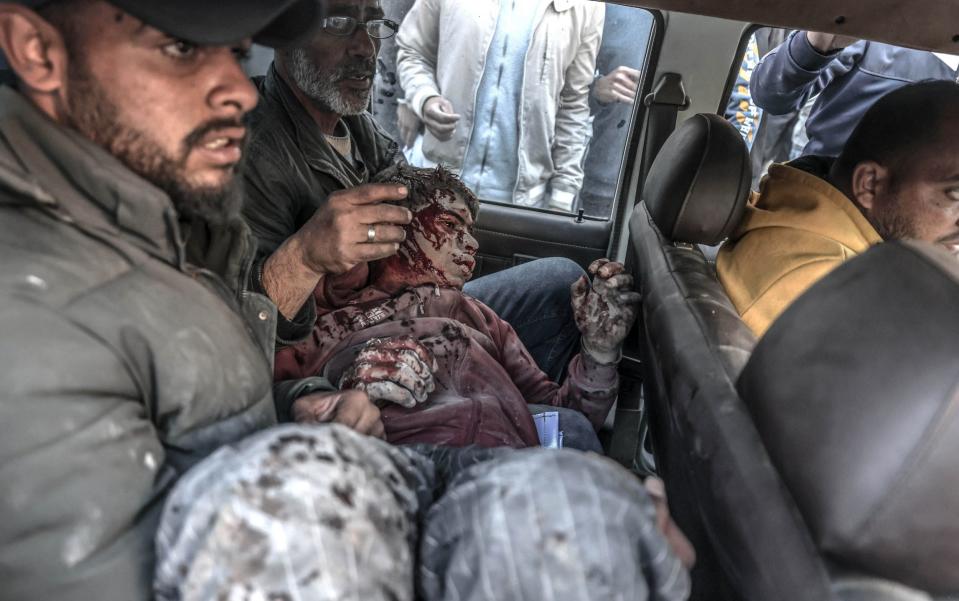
[(371, 234)]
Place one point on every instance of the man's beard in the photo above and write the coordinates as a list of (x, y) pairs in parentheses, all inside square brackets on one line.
[(892, 224), (322, 86), (889, 216), (91, 112)]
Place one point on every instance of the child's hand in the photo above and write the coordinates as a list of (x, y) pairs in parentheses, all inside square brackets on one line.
[(606, 312), (398, 370)]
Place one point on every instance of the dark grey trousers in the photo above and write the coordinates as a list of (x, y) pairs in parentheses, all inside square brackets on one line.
[(322, 513)]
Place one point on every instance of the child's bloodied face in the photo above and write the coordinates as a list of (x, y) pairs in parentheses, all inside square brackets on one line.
[(439, 247)]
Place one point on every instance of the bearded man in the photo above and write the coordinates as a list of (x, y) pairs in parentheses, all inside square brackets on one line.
[(313, 151), (897, 178)]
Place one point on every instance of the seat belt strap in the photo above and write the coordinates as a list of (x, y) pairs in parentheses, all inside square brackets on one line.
[(664, 102)]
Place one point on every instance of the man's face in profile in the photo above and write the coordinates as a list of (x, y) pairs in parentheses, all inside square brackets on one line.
[(921, 202), (336, 71), (170, 110)]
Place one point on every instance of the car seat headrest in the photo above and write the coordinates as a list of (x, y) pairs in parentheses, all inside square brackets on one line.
[(698, 185), (855, 392)]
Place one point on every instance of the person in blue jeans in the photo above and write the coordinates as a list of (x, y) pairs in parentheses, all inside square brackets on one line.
[(846, 74)]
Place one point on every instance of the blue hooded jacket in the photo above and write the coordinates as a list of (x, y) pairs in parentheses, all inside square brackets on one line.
[(847, 83)]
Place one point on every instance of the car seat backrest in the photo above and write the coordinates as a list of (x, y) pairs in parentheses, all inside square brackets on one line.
[(855, 393), (723, 489), (698, 185)]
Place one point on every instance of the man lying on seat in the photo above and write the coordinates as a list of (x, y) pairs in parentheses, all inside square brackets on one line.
[(897, 178), (444, 367)]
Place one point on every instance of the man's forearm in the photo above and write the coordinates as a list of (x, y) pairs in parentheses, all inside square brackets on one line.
[(788, 76), (287, 281)]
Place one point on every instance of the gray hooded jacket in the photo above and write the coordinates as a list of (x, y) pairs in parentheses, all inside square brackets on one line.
[(122, 364)]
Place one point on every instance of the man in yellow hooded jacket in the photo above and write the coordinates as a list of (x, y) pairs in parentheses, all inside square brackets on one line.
[(896, 178)]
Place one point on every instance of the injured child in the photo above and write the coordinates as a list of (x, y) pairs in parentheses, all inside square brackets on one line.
[(442, 366)]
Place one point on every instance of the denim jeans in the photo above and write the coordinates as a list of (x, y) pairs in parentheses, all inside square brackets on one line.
[(534, 298)]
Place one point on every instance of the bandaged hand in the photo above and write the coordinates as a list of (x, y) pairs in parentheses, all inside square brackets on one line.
[(398, 370), (605, 312)]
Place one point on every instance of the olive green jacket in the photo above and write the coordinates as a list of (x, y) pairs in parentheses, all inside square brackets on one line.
[(122, 361)]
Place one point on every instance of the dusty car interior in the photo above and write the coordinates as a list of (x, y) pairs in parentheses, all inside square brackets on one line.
[(682, 176), (668, 174), (683, 180)]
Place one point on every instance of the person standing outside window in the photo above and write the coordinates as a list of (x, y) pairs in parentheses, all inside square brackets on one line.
[(502, 87)]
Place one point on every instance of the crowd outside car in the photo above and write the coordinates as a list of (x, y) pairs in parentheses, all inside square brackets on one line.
[(619, 68), (154, 442), (770, 138), (503, 91)]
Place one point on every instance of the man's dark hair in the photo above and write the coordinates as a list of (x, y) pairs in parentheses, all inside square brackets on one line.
[(62, 14), (899, 128), (422, 182)]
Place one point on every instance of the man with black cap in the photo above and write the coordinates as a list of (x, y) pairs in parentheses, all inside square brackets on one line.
[(130, 350)]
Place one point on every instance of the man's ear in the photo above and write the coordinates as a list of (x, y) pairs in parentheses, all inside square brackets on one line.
[(34, 50), (869, 179)]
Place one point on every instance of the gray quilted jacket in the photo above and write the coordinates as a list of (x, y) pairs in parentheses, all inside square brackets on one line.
[(122, 363)]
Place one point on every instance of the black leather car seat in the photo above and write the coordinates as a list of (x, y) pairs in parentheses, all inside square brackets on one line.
[(855, 393), (723, 490)]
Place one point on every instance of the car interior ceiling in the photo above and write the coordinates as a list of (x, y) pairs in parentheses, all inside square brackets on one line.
[(924, 24)]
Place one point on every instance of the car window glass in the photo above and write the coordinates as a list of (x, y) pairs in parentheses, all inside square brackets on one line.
[(545, 110), (770, 138), (530, 101)]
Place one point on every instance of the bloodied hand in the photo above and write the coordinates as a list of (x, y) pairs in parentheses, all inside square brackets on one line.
[(398, 370), (605, 312)]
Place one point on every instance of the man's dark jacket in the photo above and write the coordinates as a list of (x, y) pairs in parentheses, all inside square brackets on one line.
[(292, 169), (847, 84), (122, 363)]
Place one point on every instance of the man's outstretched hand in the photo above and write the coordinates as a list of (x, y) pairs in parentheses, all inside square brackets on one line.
[(398, 370), (619, 85), (350, 408), (605, 312)]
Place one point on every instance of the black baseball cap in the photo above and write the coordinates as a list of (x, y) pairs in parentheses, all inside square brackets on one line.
[(271, 23)]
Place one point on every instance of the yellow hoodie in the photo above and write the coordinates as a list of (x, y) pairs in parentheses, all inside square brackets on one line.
[(794, 232)]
